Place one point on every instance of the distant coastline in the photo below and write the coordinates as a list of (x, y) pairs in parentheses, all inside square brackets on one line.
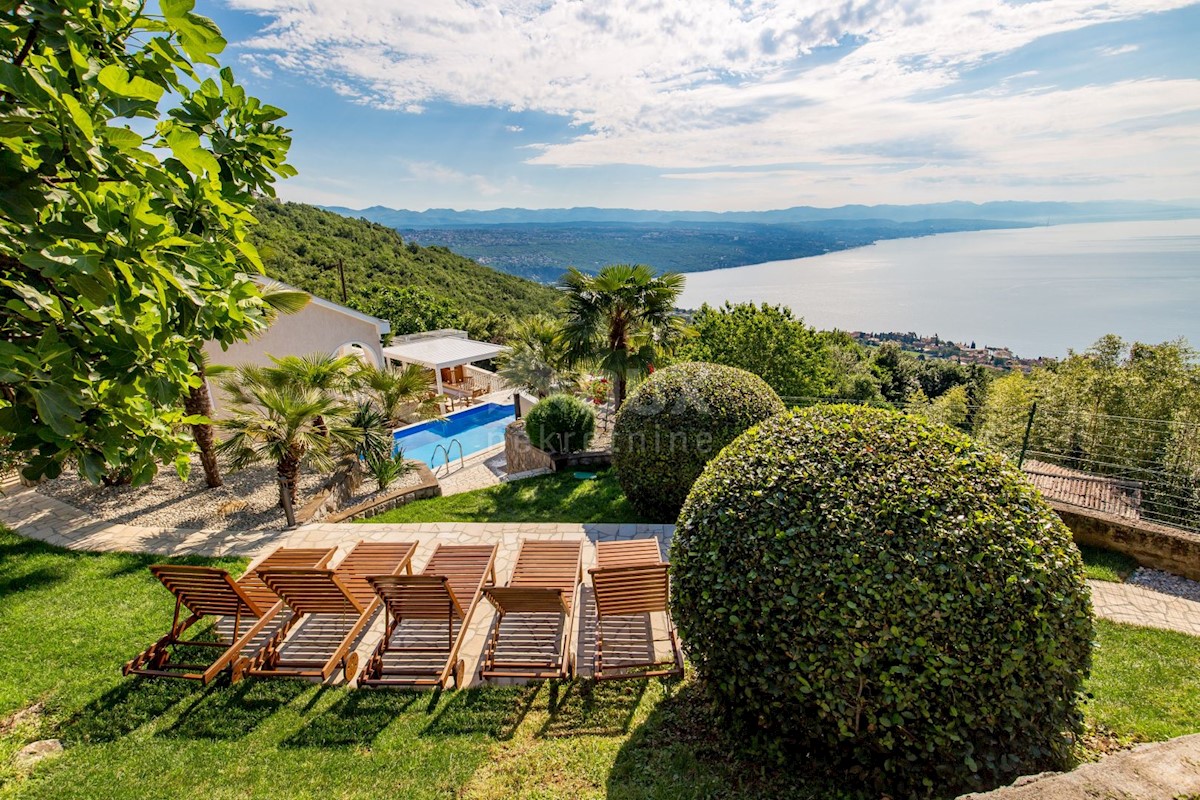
[(1038, 292)]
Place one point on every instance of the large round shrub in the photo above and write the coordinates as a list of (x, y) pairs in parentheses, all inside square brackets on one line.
[(866, 583), (676, 421), (561, 423)]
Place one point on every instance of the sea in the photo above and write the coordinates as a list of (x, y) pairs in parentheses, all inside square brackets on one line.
[(1039, 291)]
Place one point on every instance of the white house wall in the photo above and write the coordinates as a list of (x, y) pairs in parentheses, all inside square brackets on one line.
[(313, 329)]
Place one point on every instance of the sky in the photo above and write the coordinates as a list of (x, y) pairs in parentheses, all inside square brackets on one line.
[(711, 105)]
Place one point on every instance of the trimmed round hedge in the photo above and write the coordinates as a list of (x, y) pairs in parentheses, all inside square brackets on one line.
[(869, 584), (677, 420), (561, 423)]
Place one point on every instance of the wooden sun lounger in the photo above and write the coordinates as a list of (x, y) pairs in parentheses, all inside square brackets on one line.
[(447, 590), (631, 579), (545, 581), (343, 591), (209, 592)]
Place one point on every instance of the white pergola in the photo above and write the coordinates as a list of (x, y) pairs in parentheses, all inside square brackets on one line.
[(439, 349)]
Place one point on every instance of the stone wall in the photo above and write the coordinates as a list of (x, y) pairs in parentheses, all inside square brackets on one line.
[(519, 453), (522, 456), (1155, 546), (426, 488), (592, 460), (336, 491)]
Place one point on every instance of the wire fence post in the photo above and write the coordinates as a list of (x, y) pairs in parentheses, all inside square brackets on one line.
[(1025, 440)]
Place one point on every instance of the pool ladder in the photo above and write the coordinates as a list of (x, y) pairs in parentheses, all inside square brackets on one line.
[(447, 449)]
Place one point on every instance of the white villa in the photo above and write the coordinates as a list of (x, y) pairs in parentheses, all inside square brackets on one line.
[(322, 326)]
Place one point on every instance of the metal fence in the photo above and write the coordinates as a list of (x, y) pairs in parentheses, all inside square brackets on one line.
[(1127, 467)]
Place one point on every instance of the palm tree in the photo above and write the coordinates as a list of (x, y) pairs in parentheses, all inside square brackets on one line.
[(372, 432), (401, 393), (278, 424), (536, 360), (321, 372), (278, 299), (621, 318)]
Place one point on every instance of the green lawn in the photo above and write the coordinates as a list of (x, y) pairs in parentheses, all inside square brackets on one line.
[(557, 497), (1106, 565), (69, 620)]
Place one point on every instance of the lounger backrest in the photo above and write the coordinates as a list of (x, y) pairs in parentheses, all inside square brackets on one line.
[(311, 591), (372, 558), (545, 569), (464, 565), (453, 576), (628, 553), (535, 599), (206, 590), (417, 596), (638, 589), (281, 558)]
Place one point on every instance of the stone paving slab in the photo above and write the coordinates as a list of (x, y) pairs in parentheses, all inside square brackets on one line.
[(1160, 771), (1137, 605)]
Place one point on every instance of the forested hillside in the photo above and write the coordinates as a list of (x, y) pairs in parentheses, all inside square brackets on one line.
[(302, 245)]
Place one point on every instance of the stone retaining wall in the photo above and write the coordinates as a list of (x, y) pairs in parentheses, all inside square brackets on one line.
[(519, 453), (593, 460), (338, 489), (521, 456), (426, 488), (1155, 546)]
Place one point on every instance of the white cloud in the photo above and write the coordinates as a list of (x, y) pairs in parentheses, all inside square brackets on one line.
[(719, 86), (1119, 51), (427, 172), (513, 128)]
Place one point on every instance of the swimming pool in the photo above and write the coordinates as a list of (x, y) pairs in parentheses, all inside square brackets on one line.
[(475, 428)]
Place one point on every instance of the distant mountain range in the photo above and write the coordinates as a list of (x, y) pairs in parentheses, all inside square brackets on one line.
[(540, 244), (1043, 213)]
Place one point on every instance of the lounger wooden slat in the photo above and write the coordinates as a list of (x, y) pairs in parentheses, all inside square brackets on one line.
[(447, 590), (209, 592), (631, 580), (543, 586), (343, 593)]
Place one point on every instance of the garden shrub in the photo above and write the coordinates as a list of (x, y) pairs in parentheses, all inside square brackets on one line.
[(676, 421), (561, 423), (872, 585)]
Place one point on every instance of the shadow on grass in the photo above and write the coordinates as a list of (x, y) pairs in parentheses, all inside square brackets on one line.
[(594, 708), (34, 579), (493, 711), (231, 712), (682, 750), (356, 719), (127, 707)]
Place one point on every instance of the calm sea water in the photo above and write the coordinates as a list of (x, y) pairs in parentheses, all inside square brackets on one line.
[(1040, 291)]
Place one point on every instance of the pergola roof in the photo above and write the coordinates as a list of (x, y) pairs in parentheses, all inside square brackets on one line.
[(442, 351)]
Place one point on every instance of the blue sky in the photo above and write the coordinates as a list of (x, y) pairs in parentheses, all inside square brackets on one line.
[(709, 105)]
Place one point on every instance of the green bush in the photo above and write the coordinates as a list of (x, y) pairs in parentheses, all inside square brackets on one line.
[(561, 423), (869, 584), (676, 421)]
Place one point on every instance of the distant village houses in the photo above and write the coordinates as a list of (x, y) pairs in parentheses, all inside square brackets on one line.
[(1001, 358)]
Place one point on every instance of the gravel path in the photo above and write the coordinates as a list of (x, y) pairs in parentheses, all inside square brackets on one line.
[(249, 500), (1166, 583)]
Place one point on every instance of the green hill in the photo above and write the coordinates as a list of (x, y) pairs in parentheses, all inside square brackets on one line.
[(302, 245)]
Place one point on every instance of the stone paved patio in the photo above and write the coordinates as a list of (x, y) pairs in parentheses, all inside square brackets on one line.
[(47, 519), (40, 517)]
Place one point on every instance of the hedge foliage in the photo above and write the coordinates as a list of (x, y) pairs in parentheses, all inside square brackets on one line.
[(676, 421), (561, 423), (867, 583)]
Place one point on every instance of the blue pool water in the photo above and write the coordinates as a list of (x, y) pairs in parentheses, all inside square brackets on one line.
[(476, 428)]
